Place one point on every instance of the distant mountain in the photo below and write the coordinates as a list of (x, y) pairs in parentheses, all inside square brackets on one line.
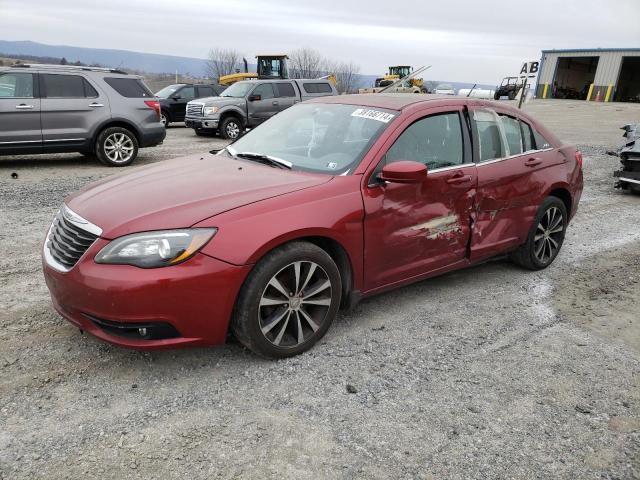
[(148, 62), (151, 62)]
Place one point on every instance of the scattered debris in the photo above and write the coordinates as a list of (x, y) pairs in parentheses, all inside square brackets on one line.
[(351, 388)]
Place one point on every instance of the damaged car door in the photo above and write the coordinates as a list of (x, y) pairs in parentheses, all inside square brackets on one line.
[(418, 228)]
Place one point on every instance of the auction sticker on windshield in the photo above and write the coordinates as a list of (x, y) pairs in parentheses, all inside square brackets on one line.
[(373, 115)]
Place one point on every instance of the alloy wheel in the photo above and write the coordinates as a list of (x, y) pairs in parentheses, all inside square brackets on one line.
[(118, 147), (294, 304), (548, 236), (232, 130), (163, 119)]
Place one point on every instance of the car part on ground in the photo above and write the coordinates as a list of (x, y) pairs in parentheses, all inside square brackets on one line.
[(292, 205), (248, 103), (629, 175), (56, 108)]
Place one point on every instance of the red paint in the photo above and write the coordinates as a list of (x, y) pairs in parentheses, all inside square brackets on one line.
[(392, 233)]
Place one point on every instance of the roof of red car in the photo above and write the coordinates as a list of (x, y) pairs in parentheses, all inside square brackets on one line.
[(391, 101)]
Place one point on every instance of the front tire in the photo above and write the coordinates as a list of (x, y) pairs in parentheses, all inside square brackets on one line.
[(288, 302), (231, 128), (545, 237), (116, 147)]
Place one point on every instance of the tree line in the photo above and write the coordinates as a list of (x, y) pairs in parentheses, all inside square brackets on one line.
[(303, 62)]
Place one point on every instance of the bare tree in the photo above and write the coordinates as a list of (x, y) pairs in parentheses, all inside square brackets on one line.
[(306, 63), (347, 75), (223, 61)]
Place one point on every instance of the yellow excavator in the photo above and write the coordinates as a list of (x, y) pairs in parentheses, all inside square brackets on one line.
[(269, 67), (398, 72)]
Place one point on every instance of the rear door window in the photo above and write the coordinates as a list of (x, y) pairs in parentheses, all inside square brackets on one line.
[(16, 85), (285, 90), (528, 139), (62, 86), (317, 87), (513, 134), (541, 142), (487, 130), (129, 87)]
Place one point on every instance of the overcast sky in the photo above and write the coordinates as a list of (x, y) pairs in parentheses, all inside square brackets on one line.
[(473, 41)]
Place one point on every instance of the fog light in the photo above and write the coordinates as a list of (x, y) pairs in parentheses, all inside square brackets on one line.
[(142, 332)]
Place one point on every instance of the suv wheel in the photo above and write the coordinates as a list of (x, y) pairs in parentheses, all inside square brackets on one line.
[(164, 119), (231, 128), (116, 147), (288, 302), (545, 237)]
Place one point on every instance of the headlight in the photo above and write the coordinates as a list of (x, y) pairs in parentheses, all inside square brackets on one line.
[(210, 110), (155, 249)]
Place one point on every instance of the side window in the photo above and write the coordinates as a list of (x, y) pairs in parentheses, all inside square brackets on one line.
[(512, 132), (317, 87), (265, 91), (129, 87), (285, 90), (16, 85), (541, 142), (488, 133), (89, 91), (435, 141), (528, 140), (62, 86), (206, 92), (187, 93)]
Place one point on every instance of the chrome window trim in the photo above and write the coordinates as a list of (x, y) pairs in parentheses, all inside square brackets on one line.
[(79, 222), (496, 160), (452, 167)]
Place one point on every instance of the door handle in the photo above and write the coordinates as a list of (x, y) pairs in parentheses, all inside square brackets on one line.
[(96, 104), (458, 179), (275, 102), (533, 161), (24, 106)]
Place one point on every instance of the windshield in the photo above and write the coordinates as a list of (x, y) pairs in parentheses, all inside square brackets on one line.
[(316, 137), (238, 90), (167, 91)]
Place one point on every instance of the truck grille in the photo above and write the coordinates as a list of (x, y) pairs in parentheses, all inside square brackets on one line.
[(194, 109), (67, 240)]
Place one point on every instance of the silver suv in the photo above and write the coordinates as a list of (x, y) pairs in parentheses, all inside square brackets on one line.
[(94, 111)]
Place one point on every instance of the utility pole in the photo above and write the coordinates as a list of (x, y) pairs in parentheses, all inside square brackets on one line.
[(176, 75)]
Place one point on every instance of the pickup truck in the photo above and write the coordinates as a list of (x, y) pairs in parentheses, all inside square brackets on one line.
[(248, 103)]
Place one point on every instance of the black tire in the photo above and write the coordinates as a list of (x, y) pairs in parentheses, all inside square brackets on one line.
[(250, 317), (231, 128), (165, 118), (496, 96), (526, 255), (512, 95), (108, 138)]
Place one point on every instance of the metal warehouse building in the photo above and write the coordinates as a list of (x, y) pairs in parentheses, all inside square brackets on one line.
[(604, 75)]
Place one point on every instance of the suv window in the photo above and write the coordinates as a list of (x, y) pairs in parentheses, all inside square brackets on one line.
[(16, 85), (265, 91), (285, 90), (66, 86), (129, 87), (317, 87), (528, 140), (435, 141), (187, 93), (487, 131), (513, 134), (206, 92)]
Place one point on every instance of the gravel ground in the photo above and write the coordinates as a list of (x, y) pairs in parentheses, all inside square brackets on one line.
[(489, 372)]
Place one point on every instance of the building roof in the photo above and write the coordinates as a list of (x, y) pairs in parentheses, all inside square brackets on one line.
[(601, 50)]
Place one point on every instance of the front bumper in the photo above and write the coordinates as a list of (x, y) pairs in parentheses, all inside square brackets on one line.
[(205, 123), (195, 299)]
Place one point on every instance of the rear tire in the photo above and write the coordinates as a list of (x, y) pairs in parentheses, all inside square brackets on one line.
[(231, 128), (288, 302), (512, 95), (496, 96), (165, 119), (116, 147), (545, 237)]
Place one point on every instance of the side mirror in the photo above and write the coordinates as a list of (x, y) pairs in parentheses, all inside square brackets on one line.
[(404, 171), (254, 98)]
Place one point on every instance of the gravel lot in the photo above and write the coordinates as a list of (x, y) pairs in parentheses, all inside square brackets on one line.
[(490, 372)]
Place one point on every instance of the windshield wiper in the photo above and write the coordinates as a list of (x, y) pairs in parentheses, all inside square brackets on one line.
[(266, 159)]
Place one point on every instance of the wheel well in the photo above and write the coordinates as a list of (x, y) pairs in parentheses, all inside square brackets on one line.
[(564, 195), (232, 114), (121, 124)]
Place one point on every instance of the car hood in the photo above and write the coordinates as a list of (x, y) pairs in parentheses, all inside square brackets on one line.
[(221, 101), (182, 192)]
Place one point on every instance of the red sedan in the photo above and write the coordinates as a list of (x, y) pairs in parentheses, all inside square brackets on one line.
[(330, 201)]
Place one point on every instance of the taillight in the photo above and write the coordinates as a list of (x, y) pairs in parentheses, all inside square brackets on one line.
[(155, 105), (579, 158)]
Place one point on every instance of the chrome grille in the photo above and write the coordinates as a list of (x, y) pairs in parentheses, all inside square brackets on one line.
[(194, 109), (68, 239)]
